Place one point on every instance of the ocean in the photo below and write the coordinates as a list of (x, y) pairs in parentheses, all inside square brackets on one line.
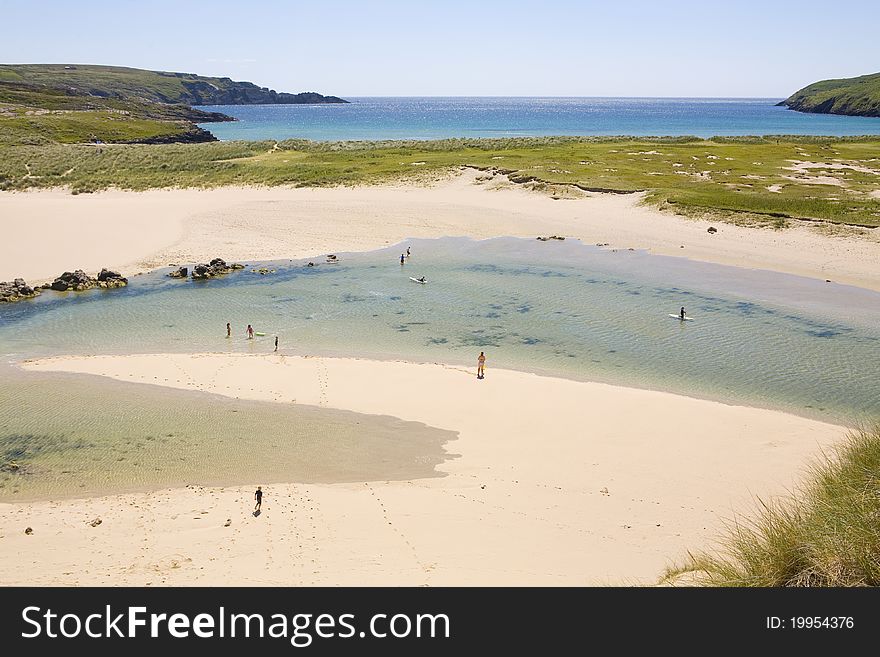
[(440, 118)]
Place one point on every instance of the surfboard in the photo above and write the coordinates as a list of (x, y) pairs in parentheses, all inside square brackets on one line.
[(416, 280), (689, 319), (258, 333)]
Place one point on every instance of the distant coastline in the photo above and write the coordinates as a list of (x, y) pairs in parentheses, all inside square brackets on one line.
[(846, 96), (73, 103)]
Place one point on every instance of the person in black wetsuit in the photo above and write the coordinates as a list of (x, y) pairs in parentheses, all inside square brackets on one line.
[(276, 343), (681, 314), (258, 496)]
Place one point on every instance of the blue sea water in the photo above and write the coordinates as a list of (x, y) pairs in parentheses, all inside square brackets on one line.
[(439, 118)]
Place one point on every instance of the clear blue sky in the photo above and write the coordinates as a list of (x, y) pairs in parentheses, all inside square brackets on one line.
[(766, 48)]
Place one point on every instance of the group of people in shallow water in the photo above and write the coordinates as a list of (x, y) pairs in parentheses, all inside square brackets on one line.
[(249, 332)]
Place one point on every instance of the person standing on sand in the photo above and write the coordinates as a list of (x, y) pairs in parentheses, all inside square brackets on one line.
[(258, 496), (481, 365), (228, 330), (276, 343), (250, 332)]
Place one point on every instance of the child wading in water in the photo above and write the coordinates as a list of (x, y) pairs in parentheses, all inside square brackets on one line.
[(481, 366), (250, 332)]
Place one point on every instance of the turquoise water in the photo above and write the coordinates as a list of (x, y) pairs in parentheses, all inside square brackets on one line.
[(563, 308), (438, 118)]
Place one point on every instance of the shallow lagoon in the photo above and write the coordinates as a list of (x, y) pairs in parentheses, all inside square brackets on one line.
[(562, 308)]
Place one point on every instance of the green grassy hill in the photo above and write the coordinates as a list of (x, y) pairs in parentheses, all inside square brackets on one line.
[(853, 96), (57, 103), (150, 86)]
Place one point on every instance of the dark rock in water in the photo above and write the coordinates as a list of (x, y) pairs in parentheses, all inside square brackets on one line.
[(216, 267), (108, 274), (78, 281), (73, 280), (16, 291), (107, 278), (201, 271), (179, 273)]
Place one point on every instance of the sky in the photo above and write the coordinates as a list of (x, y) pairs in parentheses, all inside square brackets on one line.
[(745, 48)]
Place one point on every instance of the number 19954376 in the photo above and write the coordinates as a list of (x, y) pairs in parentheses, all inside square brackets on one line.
[(810, 623)]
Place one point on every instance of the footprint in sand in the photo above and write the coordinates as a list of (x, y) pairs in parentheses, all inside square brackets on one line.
[(403, 538)]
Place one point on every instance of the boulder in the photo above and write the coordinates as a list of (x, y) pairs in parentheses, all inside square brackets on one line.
[(16, 291), (78, 281), (107, 278), (712, 230), (179, 273), (215, 267), (108, 274)]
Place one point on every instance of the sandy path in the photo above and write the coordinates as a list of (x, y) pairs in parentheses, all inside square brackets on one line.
[(558, 482), (55, 231)]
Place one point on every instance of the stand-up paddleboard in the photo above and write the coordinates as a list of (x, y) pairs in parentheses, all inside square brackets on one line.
[(689, 319), (416, 280)]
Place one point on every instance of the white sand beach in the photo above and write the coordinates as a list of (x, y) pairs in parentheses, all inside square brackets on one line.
[(139, 231), (555, 482)]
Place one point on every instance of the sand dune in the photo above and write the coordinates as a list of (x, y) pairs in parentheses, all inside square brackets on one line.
[(558, 483)]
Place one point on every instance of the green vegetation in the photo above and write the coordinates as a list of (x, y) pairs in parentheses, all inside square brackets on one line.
[(854, 96), (69, 127), (770, 180), (46, 103), (149, 86), (827, 534)]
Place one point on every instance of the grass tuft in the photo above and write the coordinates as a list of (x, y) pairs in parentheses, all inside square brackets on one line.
[(827, 533)]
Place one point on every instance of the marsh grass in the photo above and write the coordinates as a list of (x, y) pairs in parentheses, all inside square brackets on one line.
[(827, 533), (732, 178)]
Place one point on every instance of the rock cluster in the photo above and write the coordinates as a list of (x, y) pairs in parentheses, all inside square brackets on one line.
[(552, 237), (78, 280), (182, 272), (16, 291), (216, 267), (109, 278)]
